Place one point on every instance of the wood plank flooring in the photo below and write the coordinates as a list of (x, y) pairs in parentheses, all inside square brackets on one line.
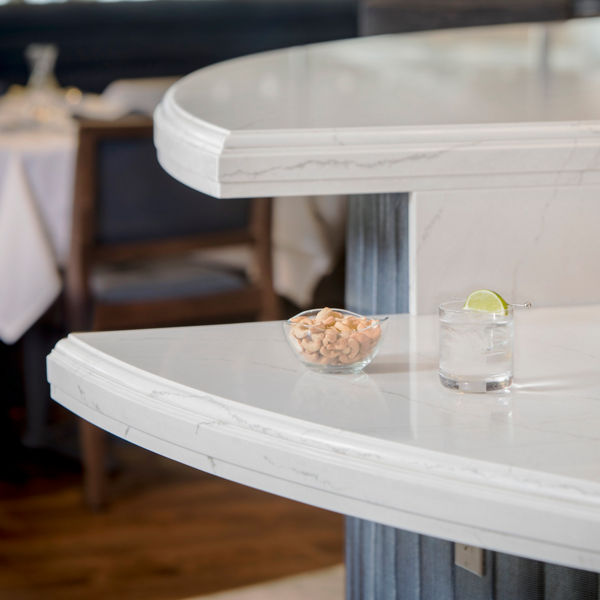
[(170, 532)]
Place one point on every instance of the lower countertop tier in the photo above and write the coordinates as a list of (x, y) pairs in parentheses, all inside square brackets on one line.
[(517, 472)]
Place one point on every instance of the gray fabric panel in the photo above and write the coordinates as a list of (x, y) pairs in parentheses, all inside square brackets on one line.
[(385, 560), (408, 557), (377, 254), (565, 583), (351, 558), (518, 578), (384, 563), (369, 570), (360, 558), (437, 569), (371, 563)]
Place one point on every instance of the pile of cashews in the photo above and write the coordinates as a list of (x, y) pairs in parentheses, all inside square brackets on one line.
[(331, 338)]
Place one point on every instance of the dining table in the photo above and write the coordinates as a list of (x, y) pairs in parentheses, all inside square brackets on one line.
[(471, 160), (36, 184)]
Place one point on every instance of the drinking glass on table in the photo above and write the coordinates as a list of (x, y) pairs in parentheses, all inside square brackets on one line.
[(476, 343)]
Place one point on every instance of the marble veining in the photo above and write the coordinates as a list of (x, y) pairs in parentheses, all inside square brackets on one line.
[(389, 445), (347, 164), (534, 244)]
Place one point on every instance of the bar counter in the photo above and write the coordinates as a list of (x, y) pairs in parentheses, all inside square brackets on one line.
[(516, 472)]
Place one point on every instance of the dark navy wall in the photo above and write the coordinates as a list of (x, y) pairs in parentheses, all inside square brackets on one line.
[(100, 42)]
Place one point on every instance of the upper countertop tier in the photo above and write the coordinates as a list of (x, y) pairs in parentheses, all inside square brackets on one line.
[(330, 117), (517, 472)]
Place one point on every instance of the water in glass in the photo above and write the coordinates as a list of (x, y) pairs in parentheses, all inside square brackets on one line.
[(476, 348)]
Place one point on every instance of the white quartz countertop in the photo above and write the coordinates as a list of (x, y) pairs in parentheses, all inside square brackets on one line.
[(389, 113), (517, 472)]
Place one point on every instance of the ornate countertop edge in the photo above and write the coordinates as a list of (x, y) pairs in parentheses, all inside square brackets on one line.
[(376, 160)]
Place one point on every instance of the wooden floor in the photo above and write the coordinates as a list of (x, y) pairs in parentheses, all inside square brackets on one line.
[(170, 533)]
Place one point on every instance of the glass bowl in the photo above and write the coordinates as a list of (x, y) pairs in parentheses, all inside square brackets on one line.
[(334, 340)]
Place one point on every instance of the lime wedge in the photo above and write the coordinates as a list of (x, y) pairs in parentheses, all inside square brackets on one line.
[(487, 301)]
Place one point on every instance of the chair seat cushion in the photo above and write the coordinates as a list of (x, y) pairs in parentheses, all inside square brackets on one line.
[(163, 279)]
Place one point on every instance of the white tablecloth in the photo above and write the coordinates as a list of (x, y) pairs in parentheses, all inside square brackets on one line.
[(36, 181), (36, 191)]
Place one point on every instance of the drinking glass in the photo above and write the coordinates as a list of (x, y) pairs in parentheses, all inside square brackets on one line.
[(476, 348)]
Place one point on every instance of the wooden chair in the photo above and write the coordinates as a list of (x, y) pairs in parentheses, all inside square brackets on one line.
[(134, 262)]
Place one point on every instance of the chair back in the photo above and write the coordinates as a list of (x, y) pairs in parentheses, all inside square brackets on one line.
[(128, 208), (138, 201)]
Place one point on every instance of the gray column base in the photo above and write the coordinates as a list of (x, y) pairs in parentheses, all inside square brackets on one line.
[(384, 563)]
